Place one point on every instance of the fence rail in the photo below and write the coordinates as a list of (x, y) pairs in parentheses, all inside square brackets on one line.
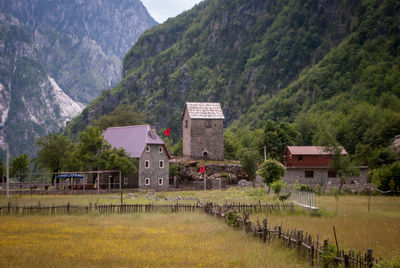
[(129, 208)]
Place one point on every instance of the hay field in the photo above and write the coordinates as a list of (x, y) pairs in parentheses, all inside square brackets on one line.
[(356, 228), (134, 240)]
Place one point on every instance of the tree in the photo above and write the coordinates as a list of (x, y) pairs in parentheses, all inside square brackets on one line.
[(248, 160), (123, 115), (271, 170), (342, 165), (278, 137), (117, 159), (91, 144), (20, 166), (54, 152)]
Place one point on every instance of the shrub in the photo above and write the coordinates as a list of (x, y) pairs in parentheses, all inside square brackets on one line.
[(277, 186), (231, 218)]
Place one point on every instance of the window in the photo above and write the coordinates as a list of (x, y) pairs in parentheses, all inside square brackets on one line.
[(147, 181), (331, 174), (208, 123), (160, 181), (309, 174), (300, 158), (147, 164), (126, 181), (148, 149), (186, 123), (161, 163), (160, 149)]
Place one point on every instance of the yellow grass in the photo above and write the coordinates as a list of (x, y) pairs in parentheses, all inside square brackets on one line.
[(138, 240), (356, 228)]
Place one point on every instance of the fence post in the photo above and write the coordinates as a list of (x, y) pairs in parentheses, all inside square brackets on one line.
[(369, 258), (312, 255), (265, 230), (346, 260)]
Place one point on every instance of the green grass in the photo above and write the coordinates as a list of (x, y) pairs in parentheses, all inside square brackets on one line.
[(237, 195)]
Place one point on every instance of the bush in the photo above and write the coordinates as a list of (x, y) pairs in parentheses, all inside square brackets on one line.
[(231, 218), (304, 188), (260, 192), (277, 186)]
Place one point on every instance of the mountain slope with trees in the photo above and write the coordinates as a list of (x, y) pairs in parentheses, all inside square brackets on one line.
[(329, 69)]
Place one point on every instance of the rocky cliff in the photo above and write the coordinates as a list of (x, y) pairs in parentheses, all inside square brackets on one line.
[(57, 56)]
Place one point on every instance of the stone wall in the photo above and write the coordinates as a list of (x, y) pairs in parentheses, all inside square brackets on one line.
[(321, 177), (154, 172), (202, 136)]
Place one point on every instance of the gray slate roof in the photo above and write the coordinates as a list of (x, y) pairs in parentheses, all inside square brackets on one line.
[(132, 138), (204, 110)]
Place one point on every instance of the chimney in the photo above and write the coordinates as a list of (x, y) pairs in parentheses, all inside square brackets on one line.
[(153, 133)]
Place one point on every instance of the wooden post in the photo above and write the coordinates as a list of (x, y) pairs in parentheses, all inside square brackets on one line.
[(8, 172), (334, 232), (265, 230), (98, 182), (369, 199), (120, 180), (346, 260), (369, 258), (122, 202)]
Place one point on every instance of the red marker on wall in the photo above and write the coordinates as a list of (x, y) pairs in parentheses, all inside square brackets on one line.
[(202, 169), (167, 132)]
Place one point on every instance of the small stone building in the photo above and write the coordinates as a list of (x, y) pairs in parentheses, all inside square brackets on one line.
[(202, 124), (311, 165), (143, 143)]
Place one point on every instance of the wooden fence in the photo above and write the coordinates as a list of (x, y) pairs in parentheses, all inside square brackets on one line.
[(125, 208), (315, 251)]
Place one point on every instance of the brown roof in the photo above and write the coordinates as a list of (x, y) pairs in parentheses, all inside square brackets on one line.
[(311, 150), (204, 110)]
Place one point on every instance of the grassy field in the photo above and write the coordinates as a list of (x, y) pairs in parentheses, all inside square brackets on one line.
[(356, 228), (135, 240)]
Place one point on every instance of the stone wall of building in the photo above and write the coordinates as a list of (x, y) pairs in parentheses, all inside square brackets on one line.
[(154, 172), (321, 177), (207, 141)]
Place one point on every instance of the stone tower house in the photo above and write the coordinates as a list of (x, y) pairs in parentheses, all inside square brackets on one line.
[(202, 124)]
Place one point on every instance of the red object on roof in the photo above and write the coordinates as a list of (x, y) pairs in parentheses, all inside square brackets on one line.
[(309, 156), (312, 150)]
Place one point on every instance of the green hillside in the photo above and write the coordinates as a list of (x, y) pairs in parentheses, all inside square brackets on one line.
[(326, 66)]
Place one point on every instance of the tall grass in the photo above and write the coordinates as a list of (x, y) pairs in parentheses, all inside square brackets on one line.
[(139, 240), (356, 228)]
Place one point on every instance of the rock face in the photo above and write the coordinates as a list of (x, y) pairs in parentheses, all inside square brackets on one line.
[(57, 56)]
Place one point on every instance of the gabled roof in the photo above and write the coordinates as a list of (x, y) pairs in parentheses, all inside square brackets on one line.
[(132, 138), (311, 150), (204, 110)]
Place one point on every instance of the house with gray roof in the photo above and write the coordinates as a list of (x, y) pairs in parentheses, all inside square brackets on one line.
[(143, 143), (202, 125)]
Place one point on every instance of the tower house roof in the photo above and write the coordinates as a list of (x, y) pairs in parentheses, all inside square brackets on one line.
[(204, 110)]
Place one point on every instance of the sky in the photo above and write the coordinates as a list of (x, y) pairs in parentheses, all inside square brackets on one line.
[(161, 10)]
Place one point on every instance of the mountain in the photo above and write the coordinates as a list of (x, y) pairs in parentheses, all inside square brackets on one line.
[(278, 60), (57, 56)]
